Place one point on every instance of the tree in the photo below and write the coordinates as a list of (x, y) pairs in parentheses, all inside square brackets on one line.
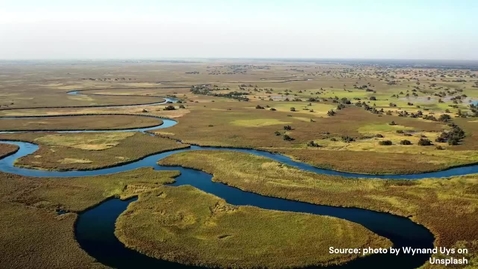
[(444, 117)]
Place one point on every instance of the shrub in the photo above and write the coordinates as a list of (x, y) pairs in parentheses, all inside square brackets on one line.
[(182, 106), (313, 144), (288, 138), (331, 113), (272, 109), (277, 133), (424, 142), (444, 118), (287, 127), (259, 107), (392, 123), (347, 139), (292, 109), (405, 142), (385, 143), (170, 107)]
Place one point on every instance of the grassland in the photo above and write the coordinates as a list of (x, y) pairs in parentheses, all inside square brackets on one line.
[(447, 207), (189, 226), (89, 150), (78, 122), (6, 149), (365, 101), (29, 204), (34, 235)]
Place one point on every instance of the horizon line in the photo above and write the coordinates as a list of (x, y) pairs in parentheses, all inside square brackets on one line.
[(231, 58)]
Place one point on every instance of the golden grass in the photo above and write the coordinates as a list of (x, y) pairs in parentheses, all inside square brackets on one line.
[(55, 148), (447, 207), (85, 141), (186, 225)]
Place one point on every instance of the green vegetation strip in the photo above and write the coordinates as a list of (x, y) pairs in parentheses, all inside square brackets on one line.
[(189, 226)]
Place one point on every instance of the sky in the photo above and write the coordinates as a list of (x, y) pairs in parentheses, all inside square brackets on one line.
[(142, 29)]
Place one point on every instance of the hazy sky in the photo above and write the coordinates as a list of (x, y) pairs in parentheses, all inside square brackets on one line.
[(90, 29)]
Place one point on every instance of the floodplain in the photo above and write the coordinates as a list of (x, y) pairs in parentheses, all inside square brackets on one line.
[(349, 117)]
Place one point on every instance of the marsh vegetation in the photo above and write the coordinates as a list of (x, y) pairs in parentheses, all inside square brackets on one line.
[(345, 116)]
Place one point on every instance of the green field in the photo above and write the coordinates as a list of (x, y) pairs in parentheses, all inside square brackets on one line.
[(180, 223)]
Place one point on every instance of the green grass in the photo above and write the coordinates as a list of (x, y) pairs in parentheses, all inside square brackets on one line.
[(445, 206), (34, 235), (258, 122), (189, 226), (377, 128)]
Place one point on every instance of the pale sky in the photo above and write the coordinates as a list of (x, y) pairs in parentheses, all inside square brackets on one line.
[(119, 29)]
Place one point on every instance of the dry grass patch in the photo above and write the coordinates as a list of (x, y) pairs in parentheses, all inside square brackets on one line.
[(70, 160), (85, 141), (7, 149), (55, 148)]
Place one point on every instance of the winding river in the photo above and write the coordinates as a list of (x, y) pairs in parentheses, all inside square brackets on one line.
[(94, 229)]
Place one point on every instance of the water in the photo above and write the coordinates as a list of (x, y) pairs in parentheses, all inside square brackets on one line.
[(94, 229), (166, 123), (25, 148)]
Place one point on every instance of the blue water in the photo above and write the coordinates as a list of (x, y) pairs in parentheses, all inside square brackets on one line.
[(25, 148), (94, 229), (167, 100), (166, 123)]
